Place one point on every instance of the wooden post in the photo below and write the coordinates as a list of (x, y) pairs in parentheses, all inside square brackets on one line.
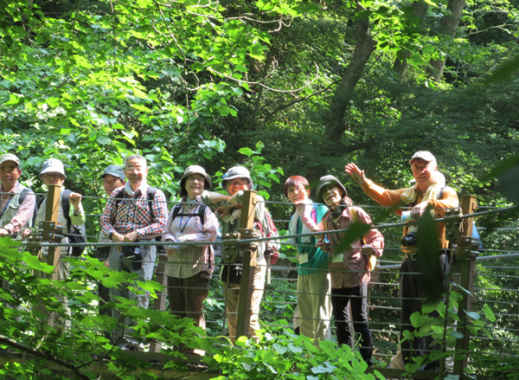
[(248, 256), (465, 264), (50, 225)]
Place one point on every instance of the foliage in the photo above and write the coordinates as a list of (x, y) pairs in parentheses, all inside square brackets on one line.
[(55, 324), (189, 82), (280, 354), (441, 321)]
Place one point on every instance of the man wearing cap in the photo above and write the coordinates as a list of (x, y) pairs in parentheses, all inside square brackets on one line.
[(350, 268), (113, 178), (235, 181), (423, 166), (17, 202), (135, 212)]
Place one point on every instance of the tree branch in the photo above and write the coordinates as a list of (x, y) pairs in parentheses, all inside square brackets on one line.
[(298, 100), (43, 355)]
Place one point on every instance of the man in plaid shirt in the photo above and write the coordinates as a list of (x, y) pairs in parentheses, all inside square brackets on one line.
[(135, 212)]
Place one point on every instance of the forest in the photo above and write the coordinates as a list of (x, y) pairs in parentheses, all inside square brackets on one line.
[(282, 87)]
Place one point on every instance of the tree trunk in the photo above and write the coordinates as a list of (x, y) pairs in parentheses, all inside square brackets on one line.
[(336, 125), (416, 19), (448, 26)]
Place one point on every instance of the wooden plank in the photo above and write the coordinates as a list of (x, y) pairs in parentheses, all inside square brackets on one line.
[(248, 209), (50, 223), (465, 265)]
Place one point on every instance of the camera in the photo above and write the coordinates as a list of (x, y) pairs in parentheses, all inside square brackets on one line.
[(132, 257), (409, 240)]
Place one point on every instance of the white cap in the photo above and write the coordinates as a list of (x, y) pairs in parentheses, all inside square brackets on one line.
[(424, 155), (9, 157), (53, 165)]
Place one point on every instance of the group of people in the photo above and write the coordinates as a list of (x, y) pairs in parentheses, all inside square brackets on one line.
[(332, 277)]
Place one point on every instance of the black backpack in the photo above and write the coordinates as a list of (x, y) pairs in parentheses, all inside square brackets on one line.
[(200, 213), (75, 234)]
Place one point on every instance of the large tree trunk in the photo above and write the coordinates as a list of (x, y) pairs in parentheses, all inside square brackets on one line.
[(448, 26), (416, 18), (336, 125)]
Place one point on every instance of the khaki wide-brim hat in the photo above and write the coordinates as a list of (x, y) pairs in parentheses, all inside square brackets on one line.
[(237, 172), (190, 170), (325, 181)]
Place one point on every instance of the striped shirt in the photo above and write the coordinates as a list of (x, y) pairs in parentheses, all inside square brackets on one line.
[(127, 211)]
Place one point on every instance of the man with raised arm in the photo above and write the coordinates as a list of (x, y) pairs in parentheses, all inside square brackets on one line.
[(424, 193)]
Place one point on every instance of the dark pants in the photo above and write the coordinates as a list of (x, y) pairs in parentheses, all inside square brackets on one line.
[(357, 298), (186, 296), (104, 298), (412, 299)]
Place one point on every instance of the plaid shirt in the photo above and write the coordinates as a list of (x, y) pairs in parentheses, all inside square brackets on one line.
[(128, 211)]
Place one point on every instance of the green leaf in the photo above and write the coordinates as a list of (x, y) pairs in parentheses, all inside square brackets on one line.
[(103, 140), (13, 99), (489, 314), (246, 151)]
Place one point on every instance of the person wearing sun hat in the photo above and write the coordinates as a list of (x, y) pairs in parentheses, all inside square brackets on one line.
[(53, 173), (17, 202), (418, 198), (190, 267), (236, 181), (351, 268)]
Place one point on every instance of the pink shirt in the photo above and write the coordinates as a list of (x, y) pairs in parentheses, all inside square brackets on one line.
[(350, 268)]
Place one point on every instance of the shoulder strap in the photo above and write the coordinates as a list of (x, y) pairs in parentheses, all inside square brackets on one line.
[(176, 210), (65, 205), (117, 198), (151, 196), (26, 191), (200, 213), (440, 194)]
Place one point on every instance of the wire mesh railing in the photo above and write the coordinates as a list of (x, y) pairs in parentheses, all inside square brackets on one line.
[(279, 299)]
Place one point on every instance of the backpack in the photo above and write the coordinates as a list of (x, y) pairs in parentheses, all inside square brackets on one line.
[(200, 213), (150, 195), (75, 234)]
